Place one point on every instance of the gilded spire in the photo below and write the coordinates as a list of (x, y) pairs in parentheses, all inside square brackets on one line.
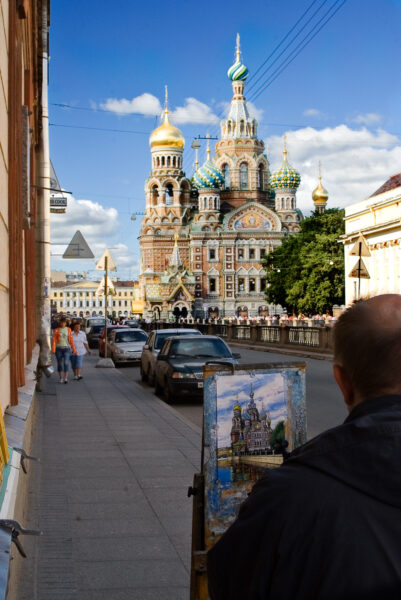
[(320, 195), (285, 147), (238, 49), (166, 135), (208, 146)]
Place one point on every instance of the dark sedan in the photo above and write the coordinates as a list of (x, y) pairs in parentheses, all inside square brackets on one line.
[(179, 365)]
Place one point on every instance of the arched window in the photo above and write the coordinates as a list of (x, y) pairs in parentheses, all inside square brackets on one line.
[(169, 193), (155, 195), (173, 161), (226, 173), (241, 127), (244, 176), (158, 161), (260, 177), (163, 161), (168, 161), (229, 127)]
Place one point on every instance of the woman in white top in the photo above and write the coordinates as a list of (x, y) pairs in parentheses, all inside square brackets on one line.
[(81, 345)]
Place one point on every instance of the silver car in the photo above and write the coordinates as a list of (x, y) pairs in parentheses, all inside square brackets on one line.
[(152, 348), (125, 345)]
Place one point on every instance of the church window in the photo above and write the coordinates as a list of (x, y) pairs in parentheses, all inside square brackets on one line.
[(179, 161), (212, 254), (262, 284), (252, 253), (168, 161), (158, 161), (262, 253), (163, 161), (226, 173), (240, 253), (282, 203), (229, 127), (169, 193), (241, 284), (173, 161), (205, 228), (260, 177), (241, 127), (212, 284), (288, 204), (252, 285), (244, 176), (293, 203)]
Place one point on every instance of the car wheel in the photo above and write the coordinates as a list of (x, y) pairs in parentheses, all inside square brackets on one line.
[(158, 387), (151, 376), (144, 377)]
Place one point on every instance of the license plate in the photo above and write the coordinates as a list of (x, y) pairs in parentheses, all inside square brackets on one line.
[(200, 384)]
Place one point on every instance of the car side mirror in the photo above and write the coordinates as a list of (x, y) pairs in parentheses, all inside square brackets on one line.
[(236, 355)]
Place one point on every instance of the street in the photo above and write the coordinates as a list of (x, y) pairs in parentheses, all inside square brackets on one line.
[(325, 407)]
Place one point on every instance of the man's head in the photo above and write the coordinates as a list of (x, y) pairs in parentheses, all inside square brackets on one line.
[(367, 349), (76, 327), (62, 322)]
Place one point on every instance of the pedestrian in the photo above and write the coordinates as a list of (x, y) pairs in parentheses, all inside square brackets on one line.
[(82, 347), (62, 345), (326, 525)]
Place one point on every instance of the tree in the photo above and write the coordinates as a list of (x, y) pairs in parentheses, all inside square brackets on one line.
[(306, 273), (278, 433)]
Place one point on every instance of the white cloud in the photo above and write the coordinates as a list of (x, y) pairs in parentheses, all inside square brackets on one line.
[(314, 112), (355, 162), (98, 225), (145, 104), (368, 119), (194, 111)]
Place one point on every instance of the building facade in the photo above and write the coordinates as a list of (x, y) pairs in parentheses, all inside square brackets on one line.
[(203, 239), (378, 220), (87, 297)]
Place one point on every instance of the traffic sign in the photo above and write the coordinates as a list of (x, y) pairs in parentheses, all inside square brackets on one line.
[(360, 248), (111, 265), (78, 247), (360, 271)]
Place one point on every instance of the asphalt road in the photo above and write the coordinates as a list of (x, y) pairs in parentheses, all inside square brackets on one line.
[(325, 407)]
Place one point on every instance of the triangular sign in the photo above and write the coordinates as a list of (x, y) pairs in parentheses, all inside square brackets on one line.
[(360, 270), (78, 248), (111, 265), (360, 248)]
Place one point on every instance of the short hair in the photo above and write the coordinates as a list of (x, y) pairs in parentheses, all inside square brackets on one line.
[(367, 344), (62, 320)]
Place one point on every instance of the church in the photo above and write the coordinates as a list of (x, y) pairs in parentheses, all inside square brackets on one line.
[(203, 238)]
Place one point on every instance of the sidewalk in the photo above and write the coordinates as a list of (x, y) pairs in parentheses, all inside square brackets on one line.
[(110, 493)]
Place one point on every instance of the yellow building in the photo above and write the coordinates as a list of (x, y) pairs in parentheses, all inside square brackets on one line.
[(87, 297), (378, 220)]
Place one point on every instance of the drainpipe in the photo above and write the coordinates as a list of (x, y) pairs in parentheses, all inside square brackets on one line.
[(43, 219)]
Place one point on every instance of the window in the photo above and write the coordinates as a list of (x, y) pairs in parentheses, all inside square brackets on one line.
[(212, 285), (244, 176), (55, 294), (260, 177), (226, 173), (262, 284), (252, 285), (61, 303), (212, 254), (262, 252), (241, 285), (252, 253), (240, 253), (169, 193)]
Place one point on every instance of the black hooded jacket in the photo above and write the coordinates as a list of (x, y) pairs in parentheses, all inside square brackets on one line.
[(326, 525)]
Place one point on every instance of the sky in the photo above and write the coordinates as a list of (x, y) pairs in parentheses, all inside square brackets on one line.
[(337, 101)]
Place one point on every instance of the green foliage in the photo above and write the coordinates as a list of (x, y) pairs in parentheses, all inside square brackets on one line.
[(278, 433), (299, 274)]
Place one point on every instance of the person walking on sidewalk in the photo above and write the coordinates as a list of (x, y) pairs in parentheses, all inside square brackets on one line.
[(82, 347), (62, 345)]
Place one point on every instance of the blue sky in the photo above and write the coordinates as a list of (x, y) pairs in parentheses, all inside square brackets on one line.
[(338, 101)]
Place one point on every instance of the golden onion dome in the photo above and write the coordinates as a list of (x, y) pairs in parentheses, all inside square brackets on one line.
[(320, 195), (237, 407), (166, 136)]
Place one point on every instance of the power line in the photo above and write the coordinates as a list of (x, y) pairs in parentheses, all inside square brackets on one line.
[(286, 63), (99, 128), (95, 109), (288, 45)]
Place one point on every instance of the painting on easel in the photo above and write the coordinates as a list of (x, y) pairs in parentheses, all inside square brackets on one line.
[(253, 417)]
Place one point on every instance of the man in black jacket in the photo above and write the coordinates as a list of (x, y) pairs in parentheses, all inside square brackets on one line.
[(327, 524)]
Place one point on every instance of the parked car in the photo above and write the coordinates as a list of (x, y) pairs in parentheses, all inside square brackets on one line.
[(91, 321), (179, 365), (125, 345), (110, 328), (93, 335), (152, 348), (134, 323)]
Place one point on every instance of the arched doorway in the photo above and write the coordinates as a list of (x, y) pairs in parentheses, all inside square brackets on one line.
[(242, 311), (180, 310), (263, 311), (213, 312)]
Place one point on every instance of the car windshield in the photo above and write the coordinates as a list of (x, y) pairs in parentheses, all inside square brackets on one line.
[(96, 328), (200, 348), (130, 336), (162, 337)]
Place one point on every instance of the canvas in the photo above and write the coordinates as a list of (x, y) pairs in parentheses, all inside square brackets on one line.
[(253, 414)]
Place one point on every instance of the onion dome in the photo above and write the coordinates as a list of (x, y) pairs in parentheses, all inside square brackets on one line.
[(208, 176), (320, 195), (286, 176), (238, 71), (166, 136), (237, 407)]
